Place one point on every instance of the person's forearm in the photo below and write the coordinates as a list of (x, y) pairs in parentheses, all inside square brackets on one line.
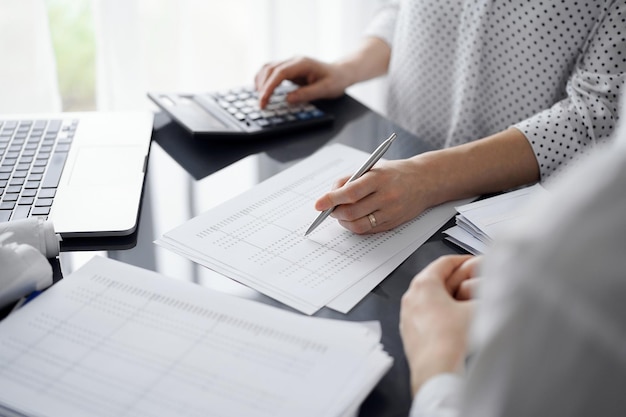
[(496, 163), (369, 61)]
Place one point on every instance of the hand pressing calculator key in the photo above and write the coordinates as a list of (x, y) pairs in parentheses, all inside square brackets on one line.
[(235, 113)]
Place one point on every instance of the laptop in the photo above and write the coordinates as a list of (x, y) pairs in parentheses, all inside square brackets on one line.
[(83, 171)]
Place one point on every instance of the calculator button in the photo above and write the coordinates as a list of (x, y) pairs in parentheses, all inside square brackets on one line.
[(277, 120), (263, 123), (295, 109), (252, 102), (267, 114), (272, 107)]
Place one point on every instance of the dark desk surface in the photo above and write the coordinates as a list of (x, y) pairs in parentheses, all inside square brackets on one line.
[(187, 176)]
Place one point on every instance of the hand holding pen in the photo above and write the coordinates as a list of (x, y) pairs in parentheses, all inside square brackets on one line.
[(369, 163)]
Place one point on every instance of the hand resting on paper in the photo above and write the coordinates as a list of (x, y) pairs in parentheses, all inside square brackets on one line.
[(433, 324), (394, 192)]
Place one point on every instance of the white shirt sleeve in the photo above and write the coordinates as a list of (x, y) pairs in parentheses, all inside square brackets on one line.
[(383, 24), (440, 396)]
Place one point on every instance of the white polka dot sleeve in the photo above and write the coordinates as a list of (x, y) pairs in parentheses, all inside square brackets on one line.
[(589, 112), (461, 70), (384, 23)]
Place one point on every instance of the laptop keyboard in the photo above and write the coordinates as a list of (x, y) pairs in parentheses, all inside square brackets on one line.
[(32, 156)]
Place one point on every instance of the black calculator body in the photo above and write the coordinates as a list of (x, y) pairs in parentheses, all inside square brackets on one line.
[(235, 113)]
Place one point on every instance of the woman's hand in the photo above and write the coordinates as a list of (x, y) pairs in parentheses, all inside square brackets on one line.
[(392, 193), (317, 80)]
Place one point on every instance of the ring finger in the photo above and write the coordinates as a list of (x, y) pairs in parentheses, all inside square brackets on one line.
[(370, 223)]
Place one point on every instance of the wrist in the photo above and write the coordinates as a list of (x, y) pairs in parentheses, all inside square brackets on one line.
[(436, 177), (347, 73), (432, 364), (496, 163), (369, 61)]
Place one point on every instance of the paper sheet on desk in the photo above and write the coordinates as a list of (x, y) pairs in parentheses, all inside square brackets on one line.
[(258, 238), (480, 222), (113, 339)]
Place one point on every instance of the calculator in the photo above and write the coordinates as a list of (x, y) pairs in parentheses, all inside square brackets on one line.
[(235, 113)]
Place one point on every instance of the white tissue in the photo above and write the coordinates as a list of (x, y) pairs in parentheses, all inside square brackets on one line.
[(25, 246), (35, 232), (24, 270)]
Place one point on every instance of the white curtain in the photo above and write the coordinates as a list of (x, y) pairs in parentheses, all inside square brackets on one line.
[(203, 45), (28, 81), (176, 45)]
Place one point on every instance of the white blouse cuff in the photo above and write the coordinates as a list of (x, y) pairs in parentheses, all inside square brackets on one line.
[(440, 396)]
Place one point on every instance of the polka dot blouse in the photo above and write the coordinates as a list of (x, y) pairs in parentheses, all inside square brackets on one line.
[(461, 70)]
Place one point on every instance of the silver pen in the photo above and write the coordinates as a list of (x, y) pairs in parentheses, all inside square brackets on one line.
[(374, 157)]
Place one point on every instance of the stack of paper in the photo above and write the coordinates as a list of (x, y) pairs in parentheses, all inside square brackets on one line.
[(480, 222), (117, 340), (258, 238)]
